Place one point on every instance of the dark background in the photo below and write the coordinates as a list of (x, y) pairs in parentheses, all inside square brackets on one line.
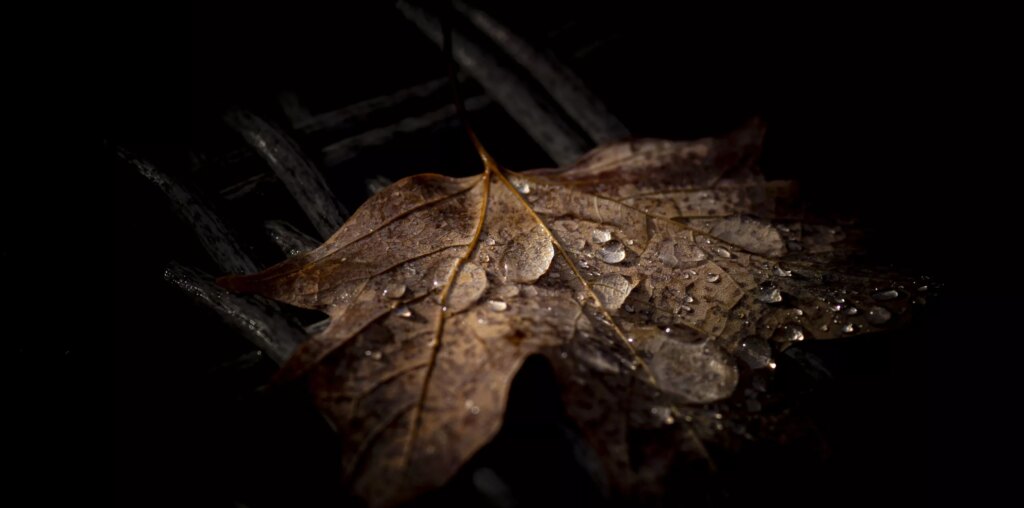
[(846, 98)]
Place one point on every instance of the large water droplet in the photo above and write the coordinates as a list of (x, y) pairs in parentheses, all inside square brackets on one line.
[(756, 353), (612, 289), (663, 414), (613, 252), (528, 257), (889, 294), (849, 328), (721, 251), (394, 290), (404, 312), (697, 372), (781, 272), (791, 333), (768, 294), (688, 299), (469, 287), (497, 305), (667, 253), (714, 277), (600, 236), (878, 316)]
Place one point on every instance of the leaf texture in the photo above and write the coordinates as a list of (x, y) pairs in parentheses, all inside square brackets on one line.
[(647, 274)]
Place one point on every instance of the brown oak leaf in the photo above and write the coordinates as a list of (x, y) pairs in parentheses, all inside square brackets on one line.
[(641, 273)]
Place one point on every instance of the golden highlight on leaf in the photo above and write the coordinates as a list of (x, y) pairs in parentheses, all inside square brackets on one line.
[(640, 273)]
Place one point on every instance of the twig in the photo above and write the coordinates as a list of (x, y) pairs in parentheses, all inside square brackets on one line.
[(258, 322), (564, 86), (290, 240), (346, 149), (540, 120), (213, 234), (303, 181)]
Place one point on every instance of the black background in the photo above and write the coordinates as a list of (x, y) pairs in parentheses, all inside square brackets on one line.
[(847, 95)]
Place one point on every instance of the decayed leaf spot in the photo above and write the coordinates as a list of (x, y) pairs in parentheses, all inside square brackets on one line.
[(639, 272)]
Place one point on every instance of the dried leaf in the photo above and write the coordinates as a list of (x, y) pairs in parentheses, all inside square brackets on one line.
[(641, 273)]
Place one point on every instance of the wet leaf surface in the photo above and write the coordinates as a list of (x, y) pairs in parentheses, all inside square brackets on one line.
[(650, 274)]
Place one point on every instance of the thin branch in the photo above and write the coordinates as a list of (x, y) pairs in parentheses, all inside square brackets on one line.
[(213, 234), (361, 113), (540, 120), (302, 179), (258, 322), (290, 240), (348, 148), (564, 86)]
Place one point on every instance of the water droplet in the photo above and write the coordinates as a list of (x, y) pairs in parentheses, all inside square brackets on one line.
[(667, 253), (663, 414), (497, 305), (721, 251), (769, 294), (630, 340), (922, 289), (697, 371), (629, 308), (792, 333), (612, 289), (878, 315), (714, 277), (613, 252), (823, 328), (779, 271), (524, 187), (849, 328), (528, 257), (686, 308), (600, 236), (469, 287), (403, 311), (688, 299), (755, 352), (394, 290), (852, 311), (490, 241), (889, 294)]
